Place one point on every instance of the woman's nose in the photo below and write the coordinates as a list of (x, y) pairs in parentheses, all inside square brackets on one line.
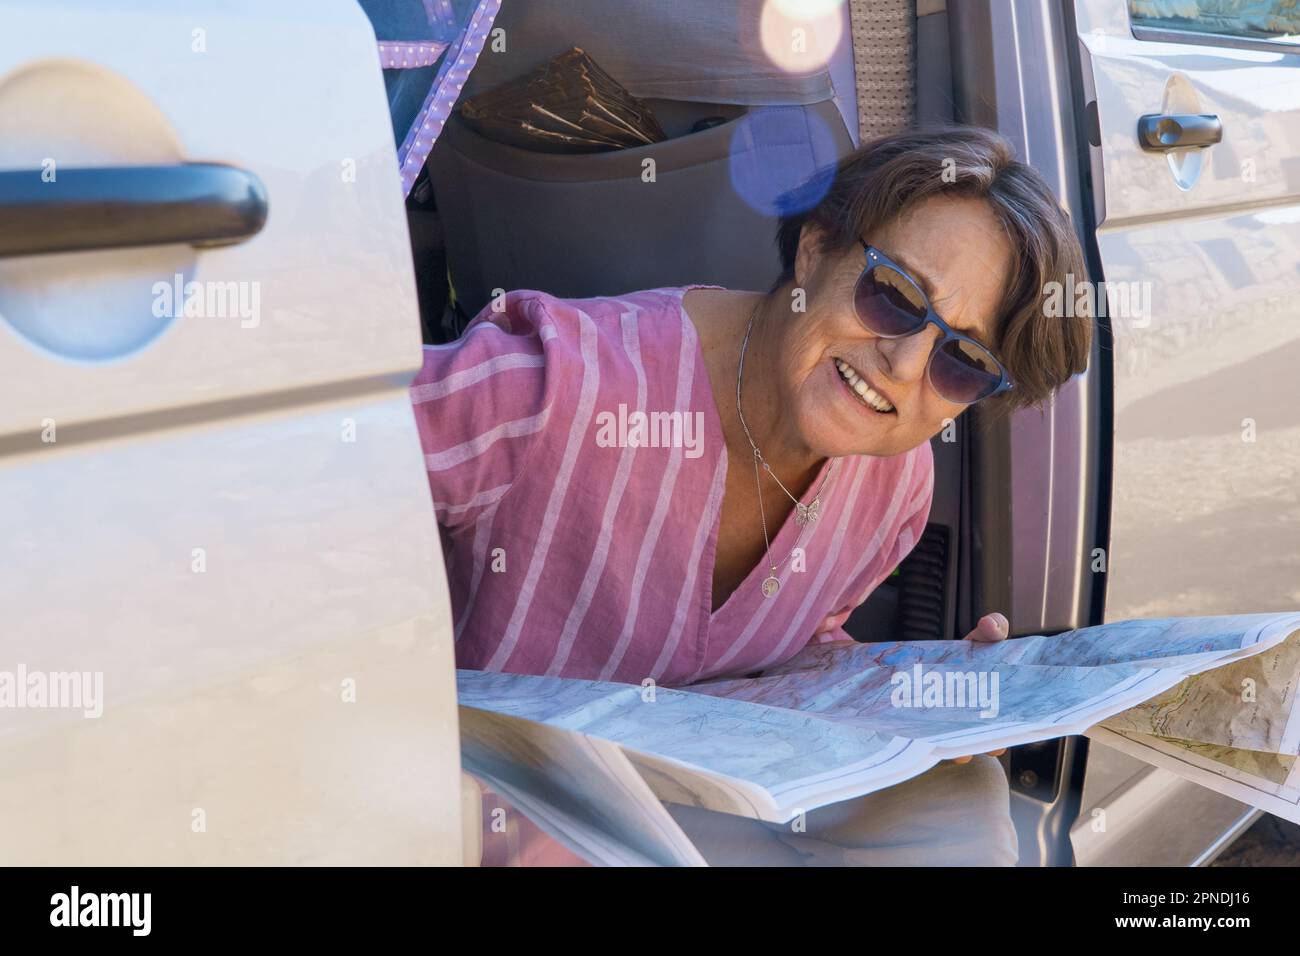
[(906, 357)]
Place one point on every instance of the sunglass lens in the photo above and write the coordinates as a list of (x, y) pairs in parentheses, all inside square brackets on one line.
[(964, 372), (887, 303)]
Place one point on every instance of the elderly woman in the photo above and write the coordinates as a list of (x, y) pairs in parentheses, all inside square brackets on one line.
[(689, 483)]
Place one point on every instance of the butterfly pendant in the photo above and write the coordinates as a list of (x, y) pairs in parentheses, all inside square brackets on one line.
[(807, 514)]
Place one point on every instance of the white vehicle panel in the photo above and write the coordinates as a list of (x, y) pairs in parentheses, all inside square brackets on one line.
[(232, 525), (1206, 242)]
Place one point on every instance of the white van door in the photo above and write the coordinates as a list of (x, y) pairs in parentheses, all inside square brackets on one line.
[(225, 634), (1196, 171)]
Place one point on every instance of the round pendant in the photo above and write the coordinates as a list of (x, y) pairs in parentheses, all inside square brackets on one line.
[(770, 586)]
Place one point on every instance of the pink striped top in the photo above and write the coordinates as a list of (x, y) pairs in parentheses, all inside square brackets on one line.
[(579, 536)]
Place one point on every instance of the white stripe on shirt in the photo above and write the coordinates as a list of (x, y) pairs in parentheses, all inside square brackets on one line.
[(459, 454), (596, 565), (472, 376), (685, 383), (577, 436)]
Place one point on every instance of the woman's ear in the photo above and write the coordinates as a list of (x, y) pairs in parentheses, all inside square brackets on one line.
[(808, 255)]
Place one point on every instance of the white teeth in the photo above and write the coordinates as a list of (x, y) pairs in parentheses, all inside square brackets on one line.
[(864, 391)]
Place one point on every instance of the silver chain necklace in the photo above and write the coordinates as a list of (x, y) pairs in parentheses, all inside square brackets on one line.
[(805, 514)]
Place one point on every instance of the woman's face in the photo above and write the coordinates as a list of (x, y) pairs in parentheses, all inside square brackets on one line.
[(957, 252)]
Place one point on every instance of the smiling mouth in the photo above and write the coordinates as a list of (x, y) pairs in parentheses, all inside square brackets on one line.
[(865, 393)]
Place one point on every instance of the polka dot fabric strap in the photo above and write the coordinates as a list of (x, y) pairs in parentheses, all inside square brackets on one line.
[(396, 55), (459, 58)]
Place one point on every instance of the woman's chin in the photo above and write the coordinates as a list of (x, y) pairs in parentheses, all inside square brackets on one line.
[(836, 422), (839, 435), (845, 421)]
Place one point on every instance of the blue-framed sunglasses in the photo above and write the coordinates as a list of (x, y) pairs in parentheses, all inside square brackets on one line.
[(890, 304)]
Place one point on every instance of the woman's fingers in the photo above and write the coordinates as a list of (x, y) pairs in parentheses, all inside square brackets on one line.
[(991, 627), (833, 622), (992, 753)]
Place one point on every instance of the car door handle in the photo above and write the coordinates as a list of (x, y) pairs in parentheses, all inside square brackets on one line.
[(120, 207), (1159, 132)]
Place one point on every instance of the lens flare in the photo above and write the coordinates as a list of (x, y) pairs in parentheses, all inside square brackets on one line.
[(808, 9), (782, 160), (800, 36)]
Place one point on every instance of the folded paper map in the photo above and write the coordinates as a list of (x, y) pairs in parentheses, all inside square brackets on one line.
[(1212, 698)]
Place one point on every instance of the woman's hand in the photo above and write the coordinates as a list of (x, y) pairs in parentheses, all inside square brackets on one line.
[(988, 630), (826, 631)]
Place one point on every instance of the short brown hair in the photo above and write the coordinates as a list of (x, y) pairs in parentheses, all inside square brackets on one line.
[(884, 178)]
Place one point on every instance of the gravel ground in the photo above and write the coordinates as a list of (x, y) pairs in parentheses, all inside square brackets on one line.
[(1269, 842)]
